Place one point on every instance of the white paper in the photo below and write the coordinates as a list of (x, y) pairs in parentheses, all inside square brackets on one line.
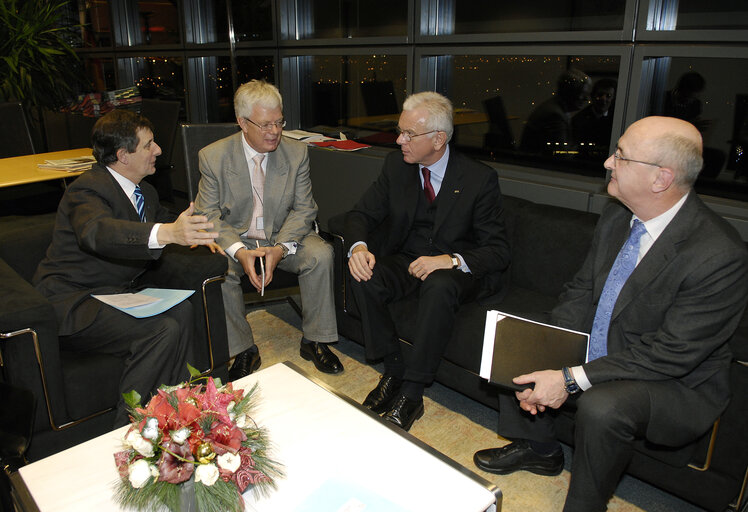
[(489, 337), (126, 300)]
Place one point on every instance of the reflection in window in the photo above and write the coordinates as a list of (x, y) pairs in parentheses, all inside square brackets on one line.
[(698, 15), (92, 18), (709, 94), (533, 109), (100, 74), (253, 21), (159, 77), (349, 18), (492, 17), (158, 23), (358, 94)]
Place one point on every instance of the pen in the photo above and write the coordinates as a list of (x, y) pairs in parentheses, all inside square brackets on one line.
[(262, 271)]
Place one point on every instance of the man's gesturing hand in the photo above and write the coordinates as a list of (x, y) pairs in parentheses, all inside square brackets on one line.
[(188, 229)]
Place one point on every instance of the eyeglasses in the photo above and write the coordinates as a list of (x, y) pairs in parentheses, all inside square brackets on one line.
[(619, 158), (266, 127), (408, 136)]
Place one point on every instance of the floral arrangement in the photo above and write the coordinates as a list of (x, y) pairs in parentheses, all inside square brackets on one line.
[(194, 442)]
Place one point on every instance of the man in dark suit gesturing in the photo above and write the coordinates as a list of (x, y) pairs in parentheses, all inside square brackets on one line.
[(439, 214), (661, 292), (109, 227)]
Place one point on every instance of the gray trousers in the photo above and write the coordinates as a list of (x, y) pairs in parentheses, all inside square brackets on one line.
[(313, 263)]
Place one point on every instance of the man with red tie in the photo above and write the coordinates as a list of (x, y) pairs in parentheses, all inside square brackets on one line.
[(436, 216)]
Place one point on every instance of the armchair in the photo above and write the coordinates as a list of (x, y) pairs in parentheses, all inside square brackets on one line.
[(76, 392)]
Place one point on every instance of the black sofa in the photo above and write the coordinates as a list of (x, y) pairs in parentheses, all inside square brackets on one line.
[(548, 246), (75, 392)]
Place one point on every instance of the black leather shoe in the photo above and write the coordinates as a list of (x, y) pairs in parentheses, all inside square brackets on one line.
[(322, 357), (518, 456), (381, 397), (404, 412), (245, 363)]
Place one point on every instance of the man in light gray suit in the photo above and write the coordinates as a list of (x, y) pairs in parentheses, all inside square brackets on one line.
[(256, 189), (663, 371)]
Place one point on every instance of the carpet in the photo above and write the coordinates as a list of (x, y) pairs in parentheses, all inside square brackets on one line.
[(452, 423)]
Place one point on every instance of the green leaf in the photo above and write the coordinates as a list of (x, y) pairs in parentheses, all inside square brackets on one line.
[(132, 399), (194, 372)]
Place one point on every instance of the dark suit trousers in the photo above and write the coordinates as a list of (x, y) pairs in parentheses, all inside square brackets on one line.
[(156, 348), (609, 418), (439, 298)]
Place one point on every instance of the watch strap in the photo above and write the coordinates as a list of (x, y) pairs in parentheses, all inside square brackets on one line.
[(570, 384)]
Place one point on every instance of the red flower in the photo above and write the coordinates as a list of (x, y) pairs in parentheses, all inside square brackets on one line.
[(121, 460), (226, 437), (173, 470)]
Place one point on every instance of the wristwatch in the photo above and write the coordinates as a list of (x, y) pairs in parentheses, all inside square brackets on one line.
[(283, 248), (455, 261), (570, 385)]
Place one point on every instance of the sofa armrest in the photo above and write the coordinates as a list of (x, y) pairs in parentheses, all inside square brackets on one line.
[(25, 317)]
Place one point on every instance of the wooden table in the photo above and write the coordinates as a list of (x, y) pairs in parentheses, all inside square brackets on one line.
[(22, 170), (334, 452)]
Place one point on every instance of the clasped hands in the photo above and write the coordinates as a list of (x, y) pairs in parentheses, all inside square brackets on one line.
[(272, 254), (361, 264), (549, 391)]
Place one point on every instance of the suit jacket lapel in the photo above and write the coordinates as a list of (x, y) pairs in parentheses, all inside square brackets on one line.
[(662, 252), (449, 191)]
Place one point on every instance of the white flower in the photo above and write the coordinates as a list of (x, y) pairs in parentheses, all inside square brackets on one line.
[(181, 435), (206, 473), (231, 406), (229, 461), (142, 446), (140, 471), (241, 421), (150, 431)]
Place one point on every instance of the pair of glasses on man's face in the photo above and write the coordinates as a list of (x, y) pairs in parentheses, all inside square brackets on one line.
[(266, 127), (408, 136), (618, 158)]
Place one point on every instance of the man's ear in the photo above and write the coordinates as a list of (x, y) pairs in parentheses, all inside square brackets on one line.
[(440, 139), (664, 179), (122, 156)]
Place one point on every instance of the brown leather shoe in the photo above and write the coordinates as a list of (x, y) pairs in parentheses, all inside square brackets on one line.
[(321, 355)]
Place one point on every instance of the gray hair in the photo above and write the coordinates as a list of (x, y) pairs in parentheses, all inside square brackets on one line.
[(256, 92), (441, 112), (682, 155)]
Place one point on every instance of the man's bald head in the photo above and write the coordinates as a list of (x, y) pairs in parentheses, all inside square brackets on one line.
[(672, 143)]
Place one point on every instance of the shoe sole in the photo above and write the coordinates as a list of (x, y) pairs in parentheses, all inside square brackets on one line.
[(536, 470), (308, 357)]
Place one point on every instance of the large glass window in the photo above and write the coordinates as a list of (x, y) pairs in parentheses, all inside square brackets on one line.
[(154, 22), (551, 110), (91, 19), (360, 95), (698, 15), (490, 16), (708, 93), (158, 77), (348, 19), (253, 21)]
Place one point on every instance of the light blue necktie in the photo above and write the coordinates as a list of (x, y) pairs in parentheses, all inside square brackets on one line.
[(140, 203), (619, 273)]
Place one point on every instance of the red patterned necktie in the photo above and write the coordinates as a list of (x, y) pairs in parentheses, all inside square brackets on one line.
[(427, 188)]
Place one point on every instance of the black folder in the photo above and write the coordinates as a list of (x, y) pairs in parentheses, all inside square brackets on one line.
[(514, 346)]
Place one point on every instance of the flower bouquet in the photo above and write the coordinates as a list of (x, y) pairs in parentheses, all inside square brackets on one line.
[(193, 445)]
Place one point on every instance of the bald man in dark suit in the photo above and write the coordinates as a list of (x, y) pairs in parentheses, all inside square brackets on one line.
[(662, 374)]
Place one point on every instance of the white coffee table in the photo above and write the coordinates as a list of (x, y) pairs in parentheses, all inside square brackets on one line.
[(338, 457)]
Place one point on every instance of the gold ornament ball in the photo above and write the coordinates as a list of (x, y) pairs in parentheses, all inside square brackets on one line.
[(205, 453)]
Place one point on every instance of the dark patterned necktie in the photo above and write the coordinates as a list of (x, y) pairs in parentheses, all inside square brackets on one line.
[(140, 203), (622, 268), (427, 188)]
